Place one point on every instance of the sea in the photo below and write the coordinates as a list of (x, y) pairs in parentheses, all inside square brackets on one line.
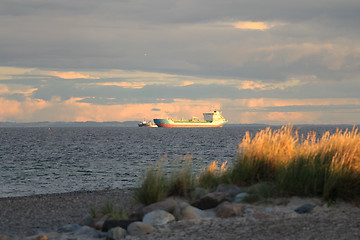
[(43, 160)]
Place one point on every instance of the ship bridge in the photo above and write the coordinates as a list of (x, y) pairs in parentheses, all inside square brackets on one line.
[(213, 116)]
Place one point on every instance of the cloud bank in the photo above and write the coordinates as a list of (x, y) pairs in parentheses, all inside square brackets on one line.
[(119, 60)]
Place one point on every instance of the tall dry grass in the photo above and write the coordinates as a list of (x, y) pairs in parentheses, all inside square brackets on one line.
[(328, 167)]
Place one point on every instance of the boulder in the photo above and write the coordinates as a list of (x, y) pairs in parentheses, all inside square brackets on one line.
[(140, 228), (211, 200), (306, 208), (198, 193), (158, 217), (229, 210), (87, 221), (86, 230), (190, 212), (68, 228), (116, 233), (169, 205), (240, 197), (41, 237), (98, 223), (230, 189)]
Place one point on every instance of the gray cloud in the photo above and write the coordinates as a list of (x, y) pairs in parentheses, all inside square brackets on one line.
[(108, 95), (182, 37)]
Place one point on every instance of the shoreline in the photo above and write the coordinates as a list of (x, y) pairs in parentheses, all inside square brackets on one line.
[(38, 214), (29, 215)]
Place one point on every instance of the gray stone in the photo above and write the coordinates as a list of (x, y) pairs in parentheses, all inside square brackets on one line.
[(86, 230), (116, 233), (158, 217), (211, 200), (87, 221), (306, 208), (240, 197), (190, 212), (140, 228), (229, 210), (68, 228), (169, 205), (198, 193), (230, 189)]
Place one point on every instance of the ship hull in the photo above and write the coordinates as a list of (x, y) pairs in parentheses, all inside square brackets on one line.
[(170, 124)]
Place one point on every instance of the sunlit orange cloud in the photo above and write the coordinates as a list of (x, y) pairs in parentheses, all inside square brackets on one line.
[(19, 89), (253, 85), (276, 102), (249, 25), (177, 109), (278, 117), (121, 84), (235, 110), (20, 111), (186, 83), (71, 75)]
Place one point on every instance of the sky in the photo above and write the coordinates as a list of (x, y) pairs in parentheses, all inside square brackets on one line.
[(269, 61)]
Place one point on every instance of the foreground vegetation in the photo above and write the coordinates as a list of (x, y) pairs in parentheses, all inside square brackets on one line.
[(328, 167)]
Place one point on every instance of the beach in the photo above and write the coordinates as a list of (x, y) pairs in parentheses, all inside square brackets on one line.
[(26, 216)]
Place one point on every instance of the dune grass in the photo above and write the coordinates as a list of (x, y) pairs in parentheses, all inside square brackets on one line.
[(328, 167)]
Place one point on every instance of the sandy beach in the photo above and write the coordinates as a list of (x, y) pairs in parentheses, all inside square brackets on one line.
[(25, 216)]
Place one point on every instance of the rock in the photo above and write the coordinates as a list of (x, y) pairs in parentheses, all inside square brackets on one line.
[(190, 212), (230, 189), (210, 200), (229, 210), (140, 228), (169, 205), (179, 208), (68, 228), (86, 230), (109, 224), (158, 217), (98, 224), (87, 221), (240, 197), (306, 208), (198, 193), (116, 233), (41, 237)]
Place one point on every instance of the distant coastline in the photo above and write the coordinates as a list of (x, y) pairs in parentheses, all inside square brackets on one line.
[(135, 124)]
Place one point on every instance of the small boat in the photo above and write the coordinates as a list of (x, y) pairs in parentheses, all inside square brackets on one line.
[(147, 124)]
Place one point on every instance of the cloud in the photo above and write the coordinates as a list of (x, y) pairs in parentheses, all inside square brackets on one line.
[(71, 75), (285, 57), (258, 85), (121, 84), (12, 110), (248, 25)]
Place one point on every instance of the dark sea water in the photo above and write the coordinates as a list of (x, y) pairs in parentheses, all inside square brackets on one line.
[(42, 160)]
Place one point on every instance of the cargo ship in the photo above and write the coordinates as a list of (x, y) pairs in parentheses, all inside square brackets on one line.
[(211, 119), (147, 124)]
